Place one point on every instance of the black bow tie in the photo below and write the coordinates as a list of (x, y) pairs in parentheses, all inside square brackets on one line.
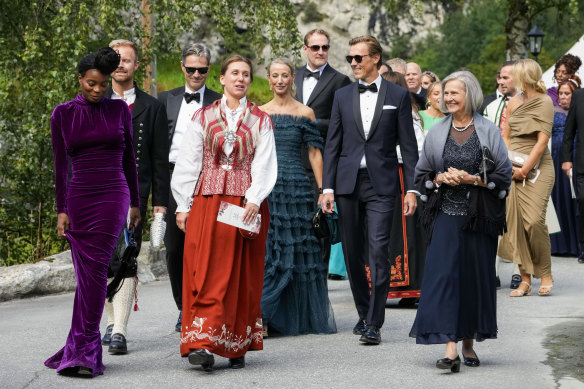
[(365, 88), (308, 74), (192, 96)]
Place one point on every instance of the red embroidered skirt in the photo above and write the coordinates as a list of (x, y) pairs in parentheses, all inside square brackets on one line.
[(223, 275)]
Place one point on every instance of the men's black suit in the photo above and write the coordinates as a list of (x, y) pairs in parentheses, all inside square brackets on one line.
[(487, 100), (174, 239), (575, 129), (151, 150), (368, 194)]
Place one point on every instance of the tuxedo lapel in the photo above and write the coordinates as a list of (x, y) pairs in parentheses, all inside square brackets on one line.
[(379, 106), (323, 82), (299, 82), (173, 104), (357, 109)]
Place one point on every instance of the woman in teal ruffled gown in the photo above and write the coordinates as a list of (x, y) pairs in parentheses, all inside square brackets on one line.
[(295, 295)]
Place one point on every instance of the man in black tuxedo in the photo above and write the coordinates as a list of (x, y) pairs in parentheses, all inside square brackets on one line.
[(181, 103), (369, 119), (575, 128), (150, 148)]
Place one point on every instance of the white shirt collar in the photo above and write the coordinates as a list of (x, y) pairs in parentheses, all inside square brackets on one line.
[(127, 94), (201, 90), (320, 69), (242, 105), (377, 82)]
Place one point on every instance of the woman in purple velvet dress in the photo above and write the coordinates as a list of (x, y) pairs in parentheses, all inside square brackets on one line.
[(95, 134)]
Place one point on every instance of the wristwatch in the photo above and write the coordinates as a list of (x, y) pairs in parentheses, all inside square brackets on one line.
[(476, 182)]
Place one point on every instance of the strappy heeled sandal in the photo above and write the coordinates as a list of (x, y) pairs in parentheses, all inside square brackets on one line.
[(521, 292), (546, 290)]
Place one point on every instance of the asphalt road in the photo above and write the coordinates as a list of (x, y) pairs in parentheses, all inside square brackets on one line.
[(540, 345)]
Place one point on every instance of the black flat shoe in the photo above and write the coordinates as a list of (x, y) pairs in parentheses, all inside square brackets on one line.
[(360, 328), (202, 357), (118, 344), (237, 363), (178, 326), (77, 371), (471, 362), (515, 281), (107, 338), (335, 277), (371, 336), (498, 282), (447, 363), (581, 258), (408, 302)]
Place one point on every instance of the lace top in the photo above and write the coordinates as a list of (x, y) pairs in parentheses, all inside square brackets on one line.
[(466, 156)]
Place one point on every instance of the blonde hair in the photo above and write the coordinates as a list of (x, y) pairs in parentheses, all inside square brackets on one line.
[(527, 73), (287, 62), (124, 42)]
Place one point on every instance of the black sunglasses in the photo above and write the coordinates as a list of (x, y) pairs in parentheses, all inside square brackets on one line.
[(190, 70), (315, 48), (357, 58)]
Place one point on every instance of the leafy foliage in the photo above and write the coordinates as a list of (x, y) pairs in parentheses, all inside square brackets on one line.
[(41, 42)]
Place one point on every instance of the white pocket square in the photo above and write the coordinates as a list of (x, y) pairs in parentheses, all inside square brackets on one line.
[(389, 107)]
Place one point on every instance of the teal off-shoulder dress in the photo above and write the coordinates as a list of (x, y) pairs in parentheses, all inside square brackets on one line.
[(295, 295)]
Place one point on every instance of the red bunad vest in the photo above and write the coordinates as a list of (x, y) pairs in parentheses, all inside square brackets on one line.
[(221, 174)]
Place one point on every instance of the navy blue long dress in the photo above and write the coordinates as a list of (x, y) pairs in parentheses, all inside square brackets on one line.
[(295, 295), (564, 242)]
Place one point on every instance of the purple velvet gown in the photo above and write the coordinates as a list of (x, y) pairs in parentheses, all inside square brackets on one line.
[(97, 139)]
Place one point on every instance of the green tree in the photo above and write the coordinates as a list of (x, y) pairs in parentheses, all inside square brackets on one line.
[(41, 42)]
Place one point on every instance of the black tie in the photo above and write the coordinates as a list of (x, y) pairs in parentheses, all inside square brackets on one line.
[(192, 96), (316, 74), (364, 88)]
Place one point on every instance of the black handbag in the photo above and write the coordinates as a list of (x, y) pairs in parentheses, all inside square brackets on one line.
[(127, 252), (325, 225), (487, 163)]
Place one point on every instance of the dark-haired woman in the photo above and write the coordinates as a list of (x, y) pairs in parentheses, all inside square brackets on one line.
[(228, 156), (565, 68), (95, 134)]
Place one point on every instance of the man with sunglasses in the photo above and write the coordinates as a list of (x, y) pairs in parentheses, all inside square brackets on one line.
[(369, 119), (151, 151), (181, 103)]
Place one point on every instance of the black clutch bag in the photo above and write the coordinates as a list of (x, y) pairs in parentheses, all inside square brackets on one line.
[(487, 163), (325, 225), (127, 252)]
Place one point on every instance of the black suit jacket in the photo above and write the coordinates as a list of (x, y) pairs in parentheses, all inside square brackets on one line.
[(321, 99), (346, 143), (172, 100), (487, 100), (575, 126), (150, 147)]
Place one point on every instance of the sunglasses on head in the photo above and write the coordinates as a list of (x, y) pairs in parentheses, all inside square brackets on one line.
[(191, 70), (316, 48), (357, 58)]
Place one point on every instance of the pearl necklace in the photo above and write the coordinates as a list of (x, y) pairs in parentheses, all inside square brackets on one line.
[(461, 129)]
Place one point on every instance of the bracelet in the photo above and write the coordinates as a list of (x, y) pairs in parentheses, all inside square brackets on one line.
[(320, 190)]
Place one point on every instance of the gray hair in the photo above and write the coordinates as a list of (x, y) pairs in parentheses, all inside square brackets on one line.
[(198, 49), (287, 62), (397, 63), (472, 88)]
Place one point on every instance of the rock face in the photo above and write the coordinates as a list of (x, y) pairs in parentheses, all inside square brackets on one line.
[(56, 274)]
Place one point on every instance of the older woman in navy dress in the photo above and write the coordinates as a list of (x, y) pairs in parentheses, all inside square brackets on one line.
[(465, 212), (95, 134)]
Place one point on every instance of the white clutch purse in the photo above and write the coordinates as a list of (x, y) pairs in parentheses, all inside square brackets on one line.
[(157, 231)]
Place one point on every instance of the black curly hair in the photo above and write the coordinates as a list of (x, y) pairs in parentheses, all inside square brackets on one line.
[(106, 60), (571, 62)]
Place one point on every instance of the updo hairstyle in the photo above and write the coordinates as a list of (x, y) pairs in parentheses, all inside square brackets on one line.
[(527, 73), (571, 62), (573, 83), (287, 62), (106, 60)]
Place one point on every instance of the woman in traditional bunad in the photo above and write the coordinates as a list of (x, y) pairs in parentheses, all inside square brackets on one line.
[(228, 155)]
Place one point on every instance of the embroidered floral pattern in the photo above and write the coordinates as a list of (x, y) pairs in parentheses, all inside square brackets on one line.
[(222, 337)]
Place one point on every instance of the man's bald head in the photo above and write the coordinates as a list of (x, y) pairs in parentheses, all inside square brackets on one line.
[(413, 77)]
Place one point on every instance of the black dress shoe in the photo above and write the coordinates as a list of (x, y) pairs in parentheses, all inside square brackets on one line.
[(237, 363), (335, 277), (107, 338), (118, 344), (447, 363), (202, 357), (178, 326), (371, 336), (498, 282), (515, 281), (360, 328), (407, 302), (581, 257), (471, 362)]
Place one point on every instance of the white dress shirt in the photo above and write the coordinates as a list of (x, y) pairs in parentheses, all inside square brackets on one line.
[(368, 101), (185, 114), (129, 96), (309, 83), (264, 166)]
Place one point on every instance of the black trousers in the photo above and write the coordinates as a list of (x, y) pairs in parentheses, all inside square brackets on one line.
[(370, 248), (174, 241)]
